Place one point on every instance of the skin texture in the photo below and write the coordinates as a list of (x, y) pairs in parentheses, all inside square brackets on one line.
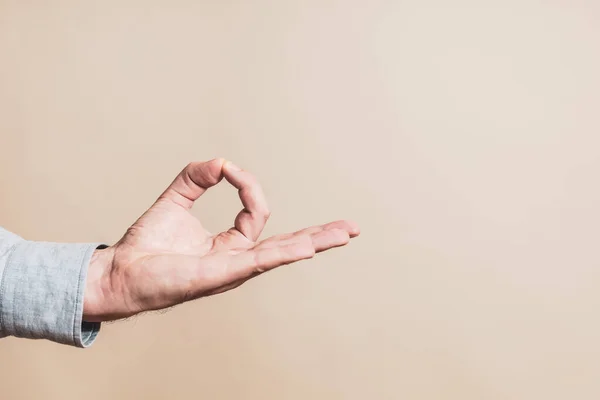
[(167, 257)]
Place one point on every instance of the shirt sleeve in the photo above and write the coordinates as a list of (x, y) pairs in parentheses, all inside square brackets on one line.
[(41, 290)]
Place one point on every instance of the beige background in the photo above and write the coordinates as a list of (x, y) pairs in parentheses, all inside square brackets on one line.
[(463, 136)]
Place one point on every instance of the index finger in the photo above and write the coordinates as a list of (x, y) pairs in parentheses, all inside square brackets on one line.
[(252, 219)]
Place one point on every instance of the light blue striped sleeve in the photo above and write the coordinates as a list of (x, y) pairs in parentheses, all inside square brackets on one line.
[(41, 290)]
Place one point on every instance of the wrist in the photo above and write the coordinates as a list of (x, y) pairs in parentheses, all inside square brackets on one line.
[(97, 284)]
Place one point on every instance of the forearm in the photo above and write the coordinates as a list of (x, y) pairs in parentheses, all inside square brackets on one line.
[(42, 289)]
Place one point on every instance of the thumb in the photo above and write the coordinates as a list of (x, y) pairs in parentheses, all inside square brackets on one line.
[(193, 181)]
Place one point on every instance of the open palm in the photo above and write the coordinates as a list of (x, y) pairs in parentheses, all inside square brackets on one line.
[(167, 257)]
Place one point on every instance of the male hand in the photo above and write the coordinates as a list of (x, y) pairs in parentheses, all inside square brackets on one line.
[(167, 257)]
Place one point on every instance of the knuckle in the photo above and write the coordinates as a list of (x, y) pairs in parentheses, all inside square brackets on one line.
[(189, 167), (260, 269)]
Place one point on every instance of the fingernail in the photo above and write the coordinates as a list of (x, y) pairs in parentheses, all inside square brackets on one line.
[(233, 166)]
